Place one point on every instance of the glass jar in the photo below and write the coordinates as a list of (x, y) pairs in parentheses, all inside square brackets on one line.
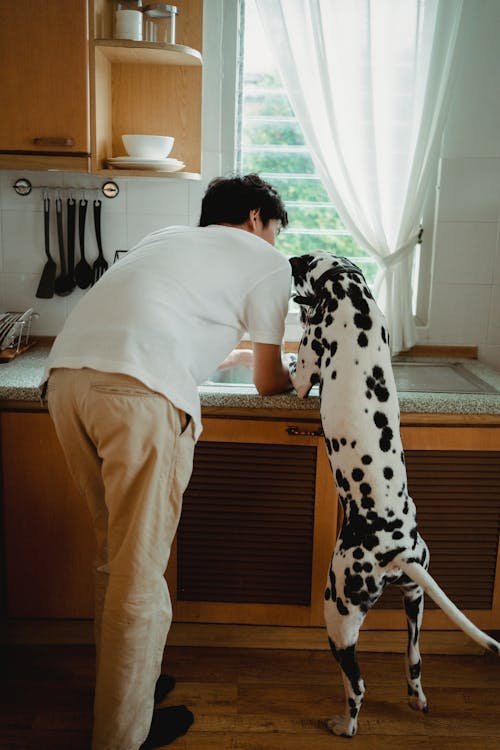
[(160, 22)]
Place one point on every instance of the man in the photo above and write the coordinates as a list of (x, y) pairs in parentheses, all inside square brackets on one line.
[(122, 392)]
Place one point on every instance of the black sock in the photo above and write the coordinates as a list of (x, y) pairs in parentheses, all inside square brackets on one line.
[(167, 724), (164, 685)]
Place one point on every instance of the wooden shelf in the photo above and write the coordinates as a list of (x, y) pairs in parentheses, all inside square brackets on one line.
[(148, 173), (148, 53)]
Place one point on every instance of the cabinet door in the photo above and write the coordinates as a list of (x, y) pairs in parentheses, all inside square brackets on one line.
[(258, 525), (44, 77), (49, 542)]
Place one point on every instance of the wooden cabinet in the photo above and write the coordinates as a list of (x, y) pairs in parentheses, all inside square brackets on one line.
[(49, 544), (259, 523), (44, 85), (69, 91)]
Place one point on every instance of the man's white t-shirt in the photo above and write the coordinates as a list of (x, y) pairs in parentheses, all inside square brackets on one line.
[(170, 311)]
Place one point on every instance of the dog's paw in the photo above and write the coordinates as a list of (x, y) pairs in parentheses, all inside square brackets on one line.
[(417, 704), (342, 728)]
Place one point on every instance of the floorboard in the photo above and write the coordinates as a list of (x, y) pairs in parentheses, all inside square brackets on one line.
[(247, 699)]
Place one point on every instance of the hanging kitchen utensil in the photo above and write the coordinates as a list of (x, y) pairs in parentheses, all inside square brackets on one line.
[(47, 280), (63, 284), (100, 264), (71, 241), (83, 270)]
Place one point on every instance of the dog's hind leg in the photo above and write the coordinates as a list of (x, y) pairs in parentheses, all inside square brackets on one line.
[(414, 608), (343, 632)]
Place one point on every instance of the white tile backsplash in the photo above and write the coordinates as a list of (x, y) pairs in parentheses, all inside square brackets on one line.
[(465, 252), (493, 337), (459, 314), (496, 274), (23, 240), (470, 189), (18, 293), (160, 196)]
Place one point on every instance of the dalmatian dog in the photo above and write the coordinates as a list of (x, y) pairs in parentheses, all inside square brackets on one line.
[(345, 349)]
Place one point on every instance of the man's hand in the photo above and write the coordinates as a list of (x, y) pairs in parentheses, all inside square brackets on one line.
[(238, 357)]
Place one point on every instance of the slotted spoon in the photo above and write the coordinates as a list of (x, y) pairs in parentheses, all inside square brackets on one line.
[(100, 264)]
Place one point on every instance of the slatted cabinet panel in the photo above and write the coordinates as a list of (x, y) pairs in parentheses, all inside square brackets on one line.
[(457, 495), (247, 524), (258, 525)]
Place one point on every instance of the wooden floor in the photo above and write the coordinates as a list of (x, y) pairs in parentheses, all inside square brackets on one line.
[(249, 699)]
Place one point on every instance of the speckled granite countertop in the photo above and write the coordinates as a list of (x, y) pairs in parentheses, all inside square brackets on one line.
[(20, 378)]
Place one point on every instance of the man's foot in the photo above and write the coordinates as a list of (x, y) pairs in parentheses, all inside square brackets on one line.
[(167, 724), (164, 685)]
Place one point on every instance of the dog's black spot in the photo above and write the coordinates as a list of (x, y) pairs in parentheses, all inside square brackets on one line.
[(412, 609), (341, 607), (357, 475), (385, 558), (388, 472), (362, 340), (415, 670), (366, 459), (353, 709), (346, 657), (352, 583)]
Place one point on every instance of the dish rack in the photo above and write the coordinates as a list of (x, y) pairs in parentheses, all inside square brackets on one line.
[(15, 329)]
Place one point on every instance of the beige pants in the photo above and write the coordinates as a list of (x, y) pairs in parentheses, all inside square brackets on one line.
[(130, 452)]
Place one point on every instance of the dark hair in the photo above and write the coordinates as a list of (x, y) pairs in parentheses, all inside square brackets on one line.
[(229, 200)]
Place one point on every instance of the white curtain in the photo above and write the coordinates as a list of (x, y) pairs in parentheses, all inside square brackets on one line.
[(369, 82)]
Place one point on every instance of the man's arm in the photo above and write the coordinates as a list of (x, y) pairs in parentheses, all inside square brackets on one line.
[(270, 374)]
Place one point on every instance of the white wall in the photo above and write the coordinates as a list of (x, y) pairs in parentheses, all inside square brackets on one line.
[(464, 299), (465, 280)]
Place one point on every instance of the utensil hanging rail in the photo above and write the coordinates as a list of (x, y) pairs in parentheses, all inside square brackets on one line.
[(109, 189)]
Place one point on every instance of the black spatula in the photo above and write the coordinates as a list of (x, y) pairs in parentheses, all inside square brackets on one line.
[(47, 280)]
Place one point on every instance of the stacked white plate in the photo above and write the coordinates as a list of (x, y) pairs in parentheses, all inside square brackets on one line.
[(160, 165)]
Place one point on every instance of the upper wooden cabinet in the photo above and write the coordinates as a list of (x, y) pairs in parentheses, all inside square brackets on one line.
[(44, 85), (69, 91)]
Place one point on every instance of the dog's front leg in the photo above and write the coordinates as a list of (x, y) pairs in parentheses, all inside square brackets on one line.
[(305, 372)]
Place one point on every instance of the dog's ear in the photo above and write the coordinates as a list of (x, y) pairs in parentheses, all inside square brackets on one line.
[(300, 266)]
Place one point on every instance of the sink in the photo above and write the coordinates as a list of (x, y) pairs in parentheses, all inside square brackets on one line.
[(412, 376), (438, 377)]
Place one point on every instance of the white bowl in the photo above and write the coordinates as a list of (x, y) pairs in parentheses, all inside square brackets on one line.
[(148, 146)]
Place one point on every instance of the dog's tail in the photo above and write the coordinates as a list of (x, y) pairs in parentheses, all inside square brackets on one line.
[(419, 575)]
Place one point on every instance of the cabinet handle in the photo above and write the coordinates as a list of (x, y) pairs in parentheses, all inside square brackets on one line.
[(309, 433), (54, 141)]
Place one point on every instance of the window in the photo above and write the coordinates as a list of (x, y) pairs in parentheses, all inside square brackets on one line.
[(270, 141)]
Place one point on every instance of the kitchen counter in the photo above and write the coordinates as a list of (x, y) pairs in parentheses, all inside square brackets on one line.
[(20, 378)]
